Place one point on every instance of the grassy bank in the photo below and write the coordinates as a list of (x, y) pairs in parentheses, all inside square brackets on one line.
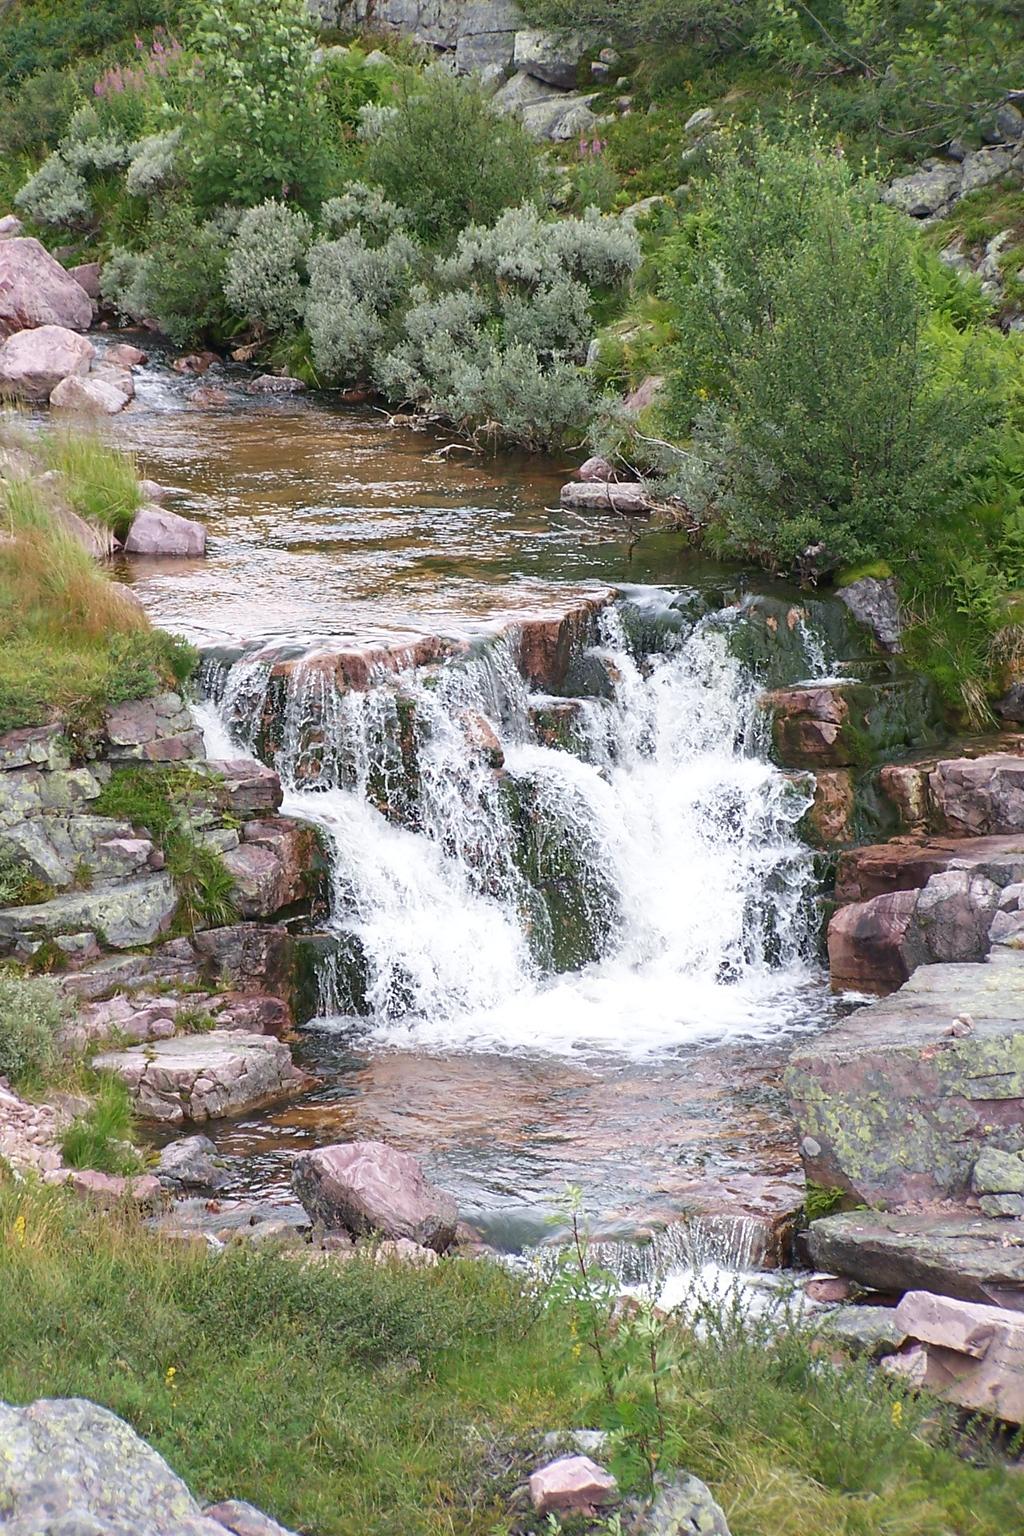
[(369, 1400), (72, 641)]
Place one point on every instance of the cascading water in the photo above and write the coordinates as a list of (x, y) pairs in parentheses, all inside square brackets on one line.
[(639, 891)]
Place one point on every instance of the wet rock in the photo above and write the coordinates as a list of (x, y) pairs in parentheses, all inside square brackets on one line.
[(908, 865), (110, 1190), (976, 797), (195, 362), (572, 1485), (627, 498), (559, 724), (248, 957), (875, 603), (547, 646), (276, 384), (205, 1077), (841, 725), (33, 363), (874, 946), (482, 738), (68, 1465), (830, 820), (751, 1217), (596, 470), (155, 531), (366, 1186), (243, 1519), (93, 394), (245, 787), (127, 915), (974, 1353), (686, 1508), (124, 355), (965, 1255), (36, 291), (863, 1330), (899, 1103), (193, 1163)]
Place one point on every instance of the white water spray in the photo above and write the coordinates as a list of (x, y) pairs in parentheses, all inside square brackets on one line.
[(665, 850)]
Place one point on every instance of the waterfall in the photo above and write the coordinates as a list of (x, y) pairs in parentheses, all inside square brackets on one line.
[(630, 885)]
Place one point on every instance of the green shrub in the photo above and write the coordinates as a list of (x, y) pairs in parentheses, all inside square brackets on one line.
[(123, 284), (102, 1137), (348, 84), (354, 300), (36, 115), (262, 276), (153, 163), (204, 883), (819, 409), (48, 34), (442, 153), (19, 887), (257, 128), (182, 280), (32, 1012)]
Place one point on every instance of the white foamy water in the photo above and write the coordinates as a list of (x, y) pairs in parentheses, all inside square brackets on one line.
[(669, 836)]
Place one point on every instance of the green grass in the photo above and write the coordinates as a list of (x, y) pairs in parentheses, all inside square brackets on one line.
[(369, 1400), (101, 482), (102, 1137)]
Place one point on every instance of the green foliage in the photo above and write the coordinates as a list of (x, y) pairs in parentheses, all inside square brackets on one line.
[(57, 194), (203, 882), (37, 113), (257, 128), (183, 277), (441, 152), (102, 1137), (832, 415), (40, 35), (101, 482), (194, 1020), (819, 1200), (32, 1012), (262, 276), (19, 887), (348, 84)]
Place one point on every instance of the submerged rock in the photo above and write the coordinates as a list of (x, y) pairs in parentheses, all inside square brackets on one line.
[(366, 1186), (193, 1163)]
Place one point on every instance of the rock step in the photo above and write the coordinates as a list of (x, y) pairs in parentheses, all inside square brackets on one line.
[(206, 1077), (954, 1254)]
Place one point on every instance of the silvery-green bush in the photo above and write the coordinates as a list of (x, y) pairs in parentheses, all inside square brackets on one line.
[(56, 194), (443, 335), (152, 163), (354, 298), (365, 208), (263, 280), (123, 285), (90, 144)]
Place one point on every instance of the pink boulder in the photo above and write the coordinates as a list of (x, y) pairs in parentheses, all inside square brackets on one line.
[(156, 531), (596, 469), (366, 1186), (107, 1189), (35, 290), (125, 355), (93, 394), (87, 276), (33, 363), (572, 1485), (10, 226)]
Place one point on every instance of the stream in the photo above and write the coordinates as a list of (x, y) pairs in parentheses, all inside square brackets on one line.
[(585, 969)]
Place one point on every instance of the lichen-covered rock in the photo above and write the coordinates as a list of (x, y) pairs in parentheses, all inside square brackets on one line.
[(875, 603), (33, 363), (864, 1330), (40, 746), (36, 291), (69, 1466), (896, 1104), (366, 1186), (998, 1173), (553, 57), (955, 1255), (193, 1163), (205, 1077), (274, 867), (124, 916), (686, 1508), (158, 729), (925, 192)]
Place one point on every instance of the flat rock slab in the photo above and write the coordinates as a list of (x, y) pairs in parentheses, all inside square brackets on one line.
[(883, 868), (205, 1077), (971, 1257), (896, 1104), (605, 496), (124, 916), (974, 1354)]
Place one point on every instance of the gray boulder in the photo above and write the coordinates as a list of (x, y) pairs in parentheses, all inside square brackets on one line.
[(862, 1330), (875, 604), (686, 1508), (155, 531), (35, 290), (205, 1077), (926, 192), (553, 57), (71, 1468), (628, 498), (127, 915), (965, 1256), (193, 1163), (368, 1187)]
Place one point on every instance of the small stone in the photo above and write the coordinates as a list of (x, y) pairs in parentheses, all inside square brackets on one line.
[(1002, 1205), (156, 531), (699, 120), (572, 1485), (909, 1365), (276, 384), (402, 1251), (998, 1173)]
